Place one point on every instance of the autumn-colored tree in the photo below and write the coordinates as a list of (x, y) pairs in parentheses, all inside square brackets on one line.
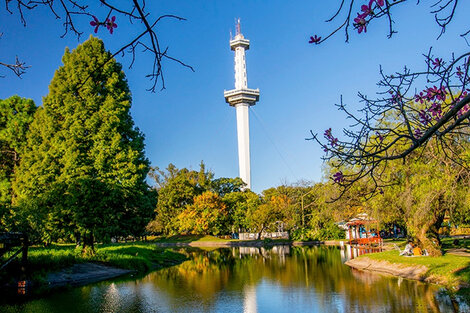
[(207, 215), (177, 189), (274, 212)]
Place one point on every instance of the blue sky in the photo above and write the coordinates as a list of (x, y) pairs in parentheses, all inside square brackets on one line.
[(299, 83)]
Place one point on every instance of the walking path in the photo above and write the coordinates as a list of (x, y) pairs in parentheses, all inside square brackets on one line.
[(459, 252)]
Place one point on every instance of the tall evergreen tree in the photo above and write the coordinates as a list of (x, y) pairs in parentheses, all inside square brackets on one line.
[(83, 144)]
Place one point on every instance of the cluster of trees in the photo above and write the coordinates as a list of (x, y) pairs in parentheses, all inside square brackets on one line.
[(406, 154), (193, 202), (74, 168), (422, 193)]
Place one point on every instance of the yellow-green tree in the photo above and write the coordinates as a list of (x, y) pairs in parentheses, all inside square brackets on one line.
[(206, 215)]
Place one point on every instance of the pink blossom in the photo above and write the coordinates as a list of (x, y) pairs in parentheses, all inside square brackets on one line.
[(314, 39), (338, 177), (437, 63), (96, 23), (464, 110), (420, 97), (110, 25), (434, 93), (327, 133), (333, 141), (367, 9), (360, 23), (424, 117), (380, 3), (436, 110), (418, 133)]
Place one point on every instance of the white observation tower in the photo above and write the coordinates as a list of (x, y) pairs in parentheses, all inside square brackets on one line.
[(241, 98)]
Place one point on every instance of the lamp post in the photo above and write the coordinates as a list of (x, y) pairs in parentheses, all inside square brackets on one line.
[(302, 205)]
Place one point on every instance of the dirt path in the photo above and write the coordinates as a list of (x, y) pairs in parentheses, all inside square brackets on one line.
[(82, 274), (459, 252)]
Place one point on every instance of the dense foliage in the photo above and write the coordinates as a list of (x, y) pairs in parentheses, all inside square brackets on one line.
[(16, 114), (82, 170)]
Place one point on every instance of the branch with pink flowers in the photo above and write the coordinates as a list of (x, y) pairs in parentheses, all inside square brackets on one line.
[(107, 18), (411, 109), (361, 14)]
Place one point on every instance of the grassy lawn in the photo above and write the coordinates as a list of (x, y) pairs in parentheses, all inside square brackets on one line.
[(451, 270), (137, 256), (448, 243)]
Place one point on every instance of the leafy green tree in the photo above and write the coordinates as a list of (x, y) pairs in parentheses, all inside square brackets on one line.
[(177, 188), (427, 188), (16, 114), (225, 185), (84, 144), (239, 203), (273, 210)]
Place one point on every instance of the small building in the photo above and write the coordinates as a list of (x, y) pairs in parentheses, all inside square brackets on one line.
[(264, 235), (363, 230)]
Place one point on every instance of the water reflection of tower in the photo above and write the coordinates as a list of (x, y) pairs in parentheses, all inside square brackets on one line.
[(249, 299)]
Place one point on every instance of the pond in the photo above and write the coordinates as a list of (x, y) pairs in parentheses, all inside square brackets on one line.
[(248, 279)]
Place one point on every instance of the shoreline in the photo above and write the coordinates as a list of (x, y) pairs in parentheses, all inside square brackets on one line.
[(385, 267), (80, 274), (246, 243), (408, 271), (83, 274)]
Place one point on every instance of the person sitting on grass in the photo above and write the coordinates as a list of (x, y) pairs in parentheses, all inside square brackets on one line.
[(417, 251), (408, 249)]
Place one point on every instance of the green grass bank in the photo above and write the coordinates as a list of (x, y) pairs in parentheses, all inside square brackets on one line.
[(137, 256)]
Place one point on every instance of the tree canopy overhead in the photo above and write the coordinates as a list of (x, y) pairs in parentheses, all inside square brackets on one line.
[(411, 107)]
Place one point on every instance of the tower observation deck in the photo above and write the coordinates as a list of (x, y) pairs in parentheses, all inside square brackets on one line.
[(242, 98)]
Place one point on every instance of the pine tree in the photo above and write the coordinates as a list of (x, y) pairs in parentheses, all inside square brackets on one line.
[(83, 144)]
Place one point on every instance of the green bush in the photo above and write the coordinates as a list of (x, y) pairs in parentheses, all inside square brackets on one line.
[(330, 231)]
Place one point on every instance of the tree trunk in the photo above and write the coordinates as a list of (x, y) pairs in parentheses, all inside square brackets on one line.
[(431, 246), (428, 233), (88, 241), (259, 234)]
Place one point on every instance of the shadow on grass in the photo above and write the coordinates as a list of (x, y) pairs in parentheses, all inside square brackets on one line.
[(464, 275)]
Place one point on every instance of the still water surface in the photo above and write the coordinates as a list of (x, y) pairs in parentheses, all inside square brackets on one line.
[(279, 279)]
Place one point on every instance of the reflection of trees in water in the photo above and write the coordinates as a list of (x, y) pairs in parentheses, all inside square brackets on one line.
[(231, 279), (316, 270)]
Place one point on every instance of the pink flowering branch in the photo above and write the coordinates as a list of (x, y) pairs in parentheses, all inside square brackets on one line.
[(410, 109), (401, 120), (360, 14), (115, 12)]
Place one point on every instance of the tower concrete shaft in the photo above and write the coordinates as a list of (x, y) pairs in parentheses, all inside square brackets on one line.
[(242, 98)]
